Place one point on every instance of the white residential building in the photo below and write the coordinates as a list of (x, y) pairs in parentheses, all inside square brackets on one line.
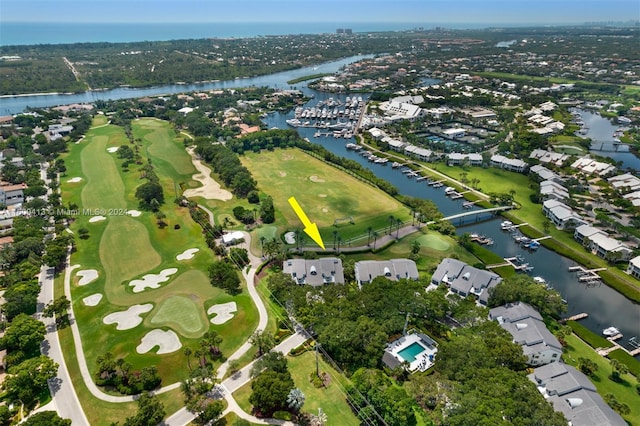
[(401, 110), (625, 183), (589, 166), (544, 173), (601, 244), (526, 326), (549, 157), (562, 216), (634, 267), (511, 164), (456, 159), (421, 154), (550, 190)]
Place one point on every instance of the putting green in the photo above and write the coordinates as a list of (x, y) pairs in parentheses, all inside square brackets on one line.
[(164, 147), (434, 241), (181, 313)]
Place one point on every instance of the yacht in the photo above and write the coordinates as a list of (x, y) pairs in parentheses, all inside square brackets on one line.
[(506, 224), (611, 331)]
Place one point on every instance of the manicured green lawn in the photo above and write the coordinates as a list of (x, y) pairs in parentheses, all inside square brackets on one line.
[(122, 248), (323, 192), (331, 399), (625, 392)]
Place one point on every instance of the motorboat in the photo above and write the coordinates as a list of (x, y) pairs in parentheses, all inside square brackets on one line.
[(506, 224), (539, 280), (611, 331)]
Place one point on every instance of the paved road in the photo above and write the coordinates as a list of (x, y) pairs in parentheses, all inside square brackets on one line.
[(65, 400)]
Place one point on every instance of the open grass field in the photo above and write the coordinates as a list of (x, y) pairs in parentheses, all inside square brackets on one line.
[(323, 192), (625, 391), (331, 399), (122, 248)]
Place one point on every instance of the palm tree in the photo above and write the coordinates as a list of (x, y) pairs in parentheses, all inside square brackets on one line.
[(369, 230), (375, 238), (187, 352), (391, 219), (339, 241), (262, 240), (335, 235), (295, 399), (398, 223)]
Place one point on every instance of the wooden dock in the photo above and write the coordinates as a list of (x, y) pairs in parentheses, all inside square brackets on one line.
[(575, 317), (587, 276), (546, 237), (511, 261)]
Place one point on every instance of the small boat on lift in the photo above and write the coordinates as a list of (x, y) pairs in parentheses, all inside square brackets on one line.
[(611, 331)]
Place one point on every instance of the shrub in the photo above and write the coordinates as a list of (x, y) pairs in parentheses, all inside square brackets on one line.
[(282, 415)]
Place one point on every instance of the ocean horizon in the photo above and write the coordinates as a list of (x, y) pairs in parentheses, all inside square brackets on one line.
[(35, 33)]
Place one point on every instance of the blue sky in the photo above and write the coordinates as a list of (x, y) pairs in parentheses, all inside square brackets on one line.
[(427, 11)]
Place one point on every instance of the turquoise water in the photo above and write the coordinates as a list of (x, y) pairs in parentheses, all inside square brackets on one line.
[(409, 353)]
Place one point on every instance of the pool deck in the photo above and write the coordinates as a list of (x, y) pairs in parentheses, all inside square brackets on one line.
[(422, 361)]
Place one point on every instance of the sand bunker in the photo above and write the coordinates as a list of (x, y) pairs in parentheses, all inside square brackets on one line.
[(325, 210), (167, 342), (223, 311), (113, 149), (92, 300), (152, 280), (290, 237), (282, 174), (87, 276), (97, 219), (322, 195), (134, 213), (74, 180), (128, 319), (187, 254), (316, 179), (210, 189)]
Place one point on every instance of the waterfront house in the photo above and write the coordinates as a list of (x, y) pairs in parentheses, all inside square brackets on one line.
[(601, 244), (376, 133), (315, 272), (550, 190), (562, 216), (526, 326), (511, 164), (634, 267), (394, 144), (572, 394), (465, 280), (394, 270), (401, 110), (421, 154)]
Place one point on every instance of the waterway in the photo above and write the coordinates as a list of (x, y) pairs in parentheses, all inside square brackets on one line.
[(601, 132), (17, 104), (605, 306)]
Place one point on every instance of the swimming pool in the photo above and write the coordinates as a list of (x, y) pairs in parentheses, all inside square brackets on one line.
[(409, 353)]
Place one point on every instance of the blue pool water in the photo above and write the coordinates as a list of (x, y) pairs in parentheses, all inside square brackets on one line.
[(409, 353)]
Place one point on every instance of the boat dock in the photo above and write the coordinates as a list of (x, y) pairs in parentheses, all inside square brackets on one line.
[(588, 276), (517, 262), (575, 317), (469, 204), (616, 346), (546, 237)]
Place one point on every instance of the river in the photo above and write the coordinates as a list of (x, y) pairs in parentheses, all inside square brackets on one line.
[(17, 104), (605, 306)]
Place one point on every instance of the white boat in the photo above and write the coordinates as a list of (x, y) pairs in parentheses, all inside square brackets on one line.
[(611, 331), (506, 224), (540, 280)]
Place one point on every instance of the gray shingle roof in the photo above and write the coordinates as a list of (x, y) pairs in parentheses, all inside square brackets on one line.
[(315, 272), (394, 270)]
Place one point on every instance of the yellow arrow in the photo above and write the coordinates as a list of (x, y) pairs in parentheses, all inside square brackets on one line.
[(310, 228)]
